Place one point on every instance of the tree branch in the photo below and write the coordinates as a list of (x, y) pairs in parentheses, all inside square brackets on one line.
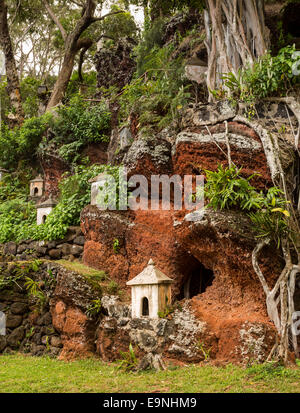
[(97, 19), (55, 19)]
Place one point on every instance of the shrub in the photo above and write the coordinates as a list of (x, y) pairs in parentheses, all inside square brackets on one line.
[(267, 77), (29, 87), (18, 217), (225, 189), (159, 93), (21, 143), (79, 124)]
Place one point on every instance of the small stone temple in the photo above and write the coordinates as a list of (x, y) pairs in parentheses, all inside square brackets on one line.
[(150, 292), (43, 210), (37, 187)]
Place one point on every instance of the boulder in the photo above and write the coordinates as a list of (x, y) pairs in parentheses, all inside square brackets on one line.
[(10, 248), (15, 338), (13, 321), (55, 254), (19, 308)]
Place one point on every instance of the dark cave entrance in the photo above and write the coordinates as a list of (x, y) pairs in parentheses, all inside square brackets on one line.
[(36, 191), (196, 282)]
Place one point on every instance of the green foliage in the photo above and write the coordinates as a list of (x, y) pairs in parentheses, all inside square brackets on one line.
[(30, 101), (5, 107), (205, 351), (16, 220), (168, 310), (78, 124), (15, 185), (95, 308), (73, 126), (21, 143), (34, 291), (74, 196), (18, 272), (269, 76), (89, 80), (158, 95), (113, 288), (18, 217), (265, 370), (116, 246), (153, 37), (119, 25), (129, 361), (225, 189)]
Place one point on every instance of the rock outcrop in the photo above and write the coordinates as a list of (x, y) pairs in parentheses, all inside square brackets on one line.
[(208, 258)]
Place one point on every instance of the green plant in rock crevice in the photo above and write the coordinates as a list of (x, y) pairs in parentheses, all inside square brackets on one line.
[(270, 76), (95, 308), (129, 361), (35, 291), (225, 189)]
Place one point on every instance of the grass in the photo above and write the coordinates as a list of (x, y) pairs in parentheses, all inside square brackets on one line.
[(24, 374), (83, 270)]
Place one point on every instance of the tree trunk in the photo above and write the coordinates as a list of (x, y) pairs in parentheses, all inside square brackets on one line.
[(235, 36), (13, 84), (62, 81)]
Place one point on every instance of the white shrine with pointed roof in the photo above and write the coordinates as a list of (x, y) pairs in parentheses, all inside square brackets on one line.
[(150, 292)]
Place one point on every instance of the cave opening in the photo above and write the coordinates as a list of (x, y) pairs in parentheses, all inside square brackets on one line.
[(197, 281)]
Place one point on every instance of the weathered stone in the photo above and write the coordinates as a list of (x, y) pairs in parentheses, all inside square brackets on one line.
[(22, 248), (13, 321), (45, 319), (15, 338), (54, 351), (36, 338), (41, 251), (148, 156), (52, 244), (45, 340), (56, 341), (47, 330), (55, 254), (3, 343), (38, 350), (79, 240), (141, 324), (148, 340), (76, 250), (19, 308), (10, 248), (151, 361)]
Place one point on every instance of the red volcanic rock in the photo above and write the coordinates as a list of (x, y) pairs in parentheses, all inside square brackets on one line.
[(142, 235), (53, 168), (148, 156), (97, 152), (198, 150), (219, 246), (71, 299), (209, 259)]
